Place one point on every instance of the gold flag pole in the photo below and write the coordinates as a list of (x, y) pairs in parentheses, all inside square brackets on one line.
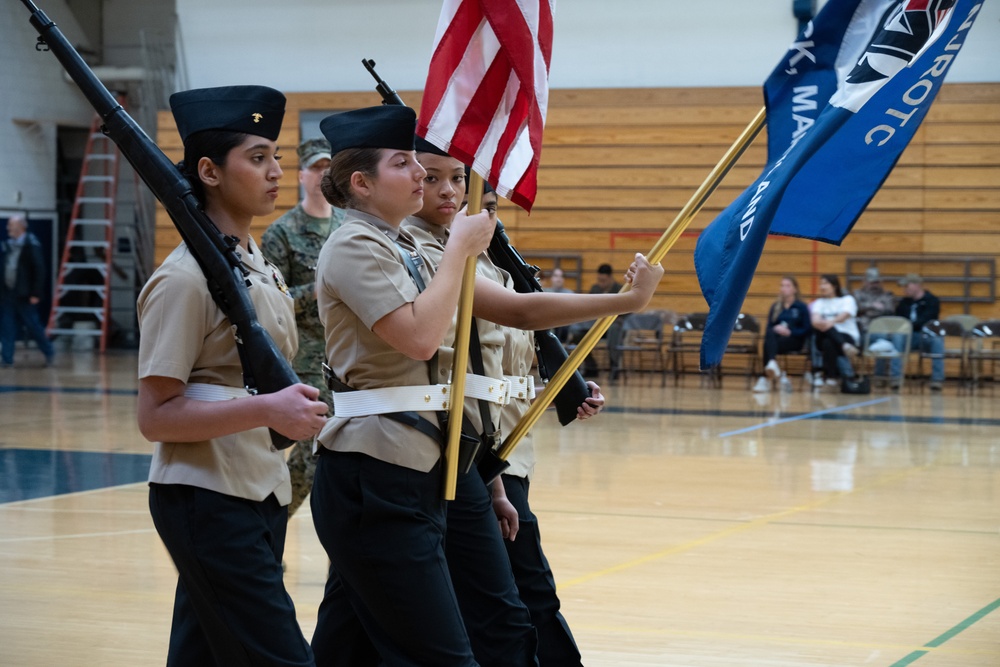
[(460, 358), (659, 250)]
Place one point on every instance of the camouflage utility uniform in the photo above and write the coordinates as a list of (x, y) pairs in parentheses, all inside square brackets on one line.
[(292, 243), (872, 303)]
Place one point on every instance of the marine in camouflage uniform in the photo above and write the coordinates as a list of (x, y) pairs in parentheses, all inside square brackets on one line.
[(292, 243), (873, 299)]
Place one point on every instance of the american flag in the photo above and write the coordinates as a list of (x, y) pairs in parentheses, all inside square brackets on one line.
[(487, 90)]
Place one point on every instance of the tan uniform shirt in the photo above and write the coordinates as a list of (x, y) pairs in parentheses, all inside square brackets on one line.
[(361, 278), (184, 335), (491, 336), (518, 358)]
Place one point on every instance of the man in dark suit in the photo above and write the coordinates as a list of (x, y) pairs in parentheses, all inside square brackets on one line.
[(21, 289)]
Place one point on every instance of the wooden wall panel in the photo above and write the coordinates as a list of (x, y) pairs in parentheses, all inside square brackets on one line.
[(618, 164)]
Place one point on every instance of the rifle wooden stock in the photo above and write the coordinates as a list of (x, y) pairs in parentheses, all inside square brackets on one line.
[(265, 369)]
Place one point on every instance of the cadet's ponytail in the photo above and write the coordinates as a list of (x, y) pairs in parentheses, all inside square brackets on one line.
[(336, 183)]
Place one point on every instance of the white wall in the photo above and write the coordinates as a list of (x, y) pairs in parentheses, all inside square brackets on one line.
[(122, 41), (317, 45), (35, 99), (598, 43)]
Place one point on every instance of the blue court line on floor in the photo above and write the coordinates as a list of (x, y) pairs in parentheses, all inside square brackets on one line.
[(13, 388), (838, 416), (27, 474), (740, 414), (937, 641), (807, 415)]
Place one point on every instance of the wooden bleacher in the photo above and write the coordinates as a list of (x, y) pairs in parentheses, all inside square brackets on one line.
[(618, 164)]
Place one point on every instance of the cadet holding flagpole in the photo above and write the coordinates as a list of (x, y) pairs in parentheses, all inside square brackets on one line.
[(376, 500), (387, 310)]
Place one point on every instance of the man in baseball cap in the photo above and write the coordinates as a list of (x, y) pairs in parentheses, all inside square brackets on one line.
[(873, 299), (311, 151), (920, 306)]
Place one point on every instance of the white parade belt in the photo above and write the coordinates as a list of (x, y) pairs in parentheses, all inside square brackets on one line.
[(213, 392), (521, 386), (364, 402)]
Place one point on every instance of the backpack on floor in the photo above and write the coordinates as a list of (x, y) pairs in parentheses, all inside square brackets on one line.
[(856, 385)]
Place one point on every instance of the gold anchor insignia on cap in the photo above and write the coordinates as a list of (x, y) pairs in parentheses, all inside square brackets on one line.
[(256, 117)]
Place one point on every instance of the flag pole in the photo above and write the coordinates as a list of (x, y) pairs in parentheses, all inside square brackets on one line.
[(460, 358), (658, 252)]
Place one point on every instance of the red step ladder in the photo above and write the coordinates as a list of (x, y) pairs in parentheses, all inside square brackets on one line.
[(82, 293)]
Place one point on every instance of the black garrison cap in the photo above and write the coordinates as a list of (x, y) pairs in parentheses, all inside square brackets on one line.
[(386, 126), (424, 146), (256, 110)]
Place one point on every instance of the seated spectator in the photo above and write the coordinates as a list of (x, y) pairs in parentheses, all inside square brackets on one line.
[(873, 300), (557, 283), (835, 329), (788, 328), (920, 306), (605, 284)]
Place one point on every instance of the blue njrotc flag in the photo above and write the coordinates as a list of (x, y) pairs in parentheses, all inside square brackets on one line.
[(841, 108)]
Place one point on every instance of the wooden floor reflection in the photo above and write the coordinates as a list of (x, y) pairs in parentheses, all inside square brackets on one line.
[(688, 526)]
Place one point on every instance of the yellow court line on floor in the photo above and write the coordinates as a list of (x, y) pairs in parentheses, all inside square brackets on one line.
[(734, 530)]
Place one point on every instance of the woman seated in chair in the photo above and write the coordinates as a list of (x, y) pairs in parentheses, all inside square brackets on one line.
[(835, 328), (788, 328)]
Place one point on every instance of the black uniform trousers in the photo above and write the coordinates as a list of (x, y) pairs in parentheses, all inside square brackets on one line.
[(535, 583), (830, 343), (775, 344), (498, 623), (382, 526), (231, 607), (339, 639)]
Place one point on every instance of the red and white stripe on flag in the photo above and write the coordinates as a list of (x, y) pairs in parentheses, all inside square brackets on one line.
[(487, 90)]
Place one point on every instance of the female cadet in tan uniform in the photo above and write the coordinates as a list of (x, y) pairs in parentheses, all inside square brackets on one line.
[(218, 488), (498, 623), (536, 584), (376, 496), (535, 587)]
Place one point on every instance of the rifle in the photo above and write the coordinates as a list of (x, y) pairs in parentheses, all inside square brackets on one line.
[(389, 95), (265, 369), (551, 354)]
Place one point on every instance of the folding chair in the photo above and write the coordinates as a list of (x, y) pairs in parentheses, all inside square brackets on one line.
[(641, 348), (685, 342), (968, 322), (984, 351), (745, 342)]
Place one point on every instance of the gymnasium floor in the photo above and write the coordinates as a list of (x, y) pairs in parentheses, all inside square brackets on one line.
[(687, 526)]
